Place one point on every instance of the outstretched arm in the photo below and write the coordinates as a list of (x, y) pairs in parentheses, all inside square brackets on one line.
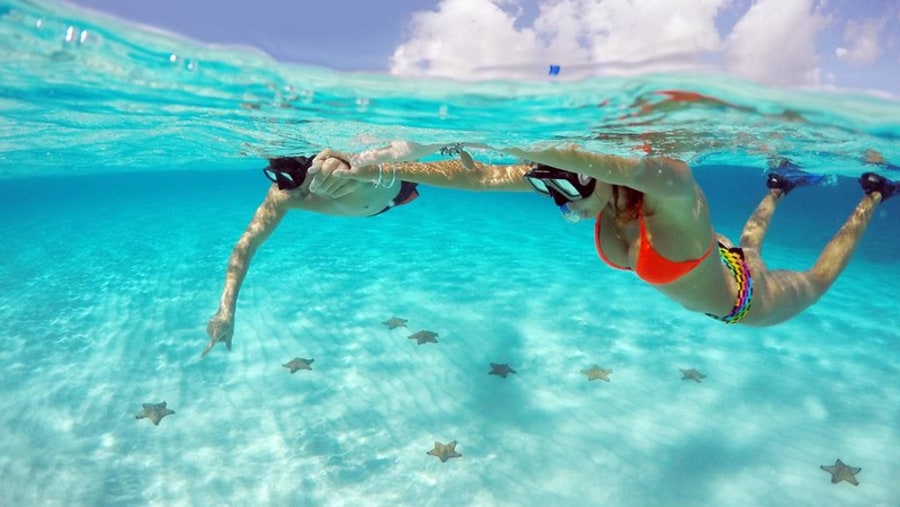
[(464, 175), (657, 176), (264, 222), (453, 174)]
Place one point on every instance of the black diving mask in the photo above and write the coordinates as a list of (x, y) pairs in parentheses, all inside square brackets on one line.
[(287, 172), (562, 186)]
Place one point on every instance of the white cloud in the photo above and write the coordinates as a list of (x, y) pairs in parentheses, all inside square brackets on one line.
[(774, 42), (631, 31), (462, 36), (478, 38), (862, 40)]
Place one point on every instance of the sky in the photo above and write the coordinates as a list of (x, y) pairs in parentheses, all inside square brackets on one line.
[(853, 44)]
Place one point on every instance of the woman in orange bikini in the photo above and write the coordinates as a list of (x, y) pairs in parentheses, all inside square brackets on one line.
[(651, 217)]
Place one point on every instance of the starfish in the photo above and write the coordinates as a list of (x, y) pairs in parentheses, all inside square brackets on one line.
[(444, 451), (595, 372), (154, 411), (501, 369), (395, 322), (692, 374), (298, 363), (841, 472), (424, 337)]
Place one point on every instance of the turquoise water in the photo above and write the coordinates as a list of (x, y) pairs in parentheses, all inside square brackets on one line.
[(128, 173)]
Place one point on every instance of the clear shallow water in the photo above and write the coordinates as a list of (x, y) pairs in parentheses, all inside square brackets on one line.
[(114, 263)]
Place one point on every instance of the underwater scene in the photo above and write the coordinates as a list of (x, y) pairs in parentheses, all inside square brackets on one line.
[(465, 348)]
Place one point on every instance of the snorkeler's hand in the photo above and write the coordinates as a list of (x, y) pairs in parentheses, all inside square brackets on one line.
[(323, 181), (358, 175), (220, 329)]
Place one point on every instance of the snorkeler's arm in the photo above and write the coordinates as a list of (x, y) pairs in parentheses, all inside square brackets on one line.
[(267, 217), (658, 176), (447, 174), (264, 222), (453, 174)]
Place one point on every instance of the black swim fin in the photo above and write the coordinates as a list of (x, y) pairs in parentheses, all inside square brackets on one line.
[(871, 182), (788, 180)]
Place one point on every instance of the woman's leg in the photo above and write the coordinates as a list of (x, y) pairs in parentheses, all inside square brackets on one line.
[(782, 294), (758, 223), (837, 252)]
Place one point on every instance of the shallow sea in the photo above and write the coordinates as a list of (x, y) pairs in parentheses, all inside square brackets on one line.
[(130, 165)]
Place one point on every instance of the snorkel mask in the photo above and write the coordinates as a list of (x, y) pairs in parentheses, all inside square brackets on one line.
[(287, 172), (563, 186)]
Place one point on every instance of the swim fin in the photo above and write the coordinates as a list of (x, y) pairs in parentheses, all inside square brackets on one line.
[(871, 182), (789, 179)]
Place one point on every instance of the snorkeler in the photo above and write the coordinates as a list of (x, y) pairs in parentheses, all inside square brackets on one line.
[(294, 188), (651, 217)]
